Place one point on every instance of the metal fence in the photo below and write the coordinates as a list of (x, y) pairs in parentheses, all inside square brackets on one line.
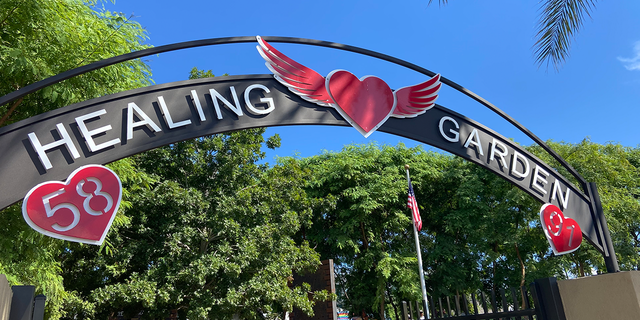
[(537, 302), (513, 304)]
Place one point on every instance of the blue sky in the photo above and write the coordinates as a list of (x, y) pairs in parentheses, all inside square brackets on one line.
[(485, 46)]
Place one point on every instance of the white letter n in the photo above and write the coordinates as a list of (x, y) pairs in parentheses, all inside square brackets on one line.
[(564, 198)]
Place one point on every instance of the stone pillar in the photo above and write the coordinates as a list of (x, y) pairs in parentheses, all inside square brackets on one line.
[(606, 296), (22, 302), (5, 298)]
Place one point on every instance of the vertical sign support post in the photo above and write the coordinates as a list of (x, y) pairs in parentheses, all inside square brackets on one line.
[(610, 259)]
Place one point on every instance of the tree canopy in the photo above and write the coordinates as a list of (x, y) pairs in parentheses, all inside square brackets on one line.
[(479, 231), (211, 237), (38, 39), (363, 222), (210, 232), (41, 38)]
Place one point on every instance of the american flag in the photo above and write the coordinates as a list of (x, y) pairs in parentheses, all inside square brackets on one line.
[(413, 205)]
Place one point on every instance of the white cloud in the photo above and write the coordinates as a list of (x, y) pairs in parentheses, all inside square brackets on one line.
[(632, 63)]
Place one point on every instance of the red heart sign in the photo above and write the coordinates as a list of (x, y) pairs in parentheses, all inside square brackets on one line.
[(80, 209), (564, 234), (367, 102)]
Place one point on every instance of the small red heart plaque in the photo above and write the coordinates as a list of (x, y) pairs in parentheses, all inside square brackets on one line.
[(80, 209), (366, 102), (564, 234)]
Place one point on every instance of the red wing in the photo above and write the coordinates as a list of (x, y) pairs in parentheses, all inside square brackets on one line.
[(301, 80), (417, 99)]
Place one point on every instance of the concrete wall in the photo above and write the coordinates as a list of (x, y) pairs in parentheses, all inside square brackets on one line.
[(607, 296), (5, 297)]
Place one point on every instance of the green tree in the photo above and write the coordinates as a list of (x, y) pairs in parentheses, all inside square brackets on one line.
[(485, 232), (615, 170), (479, 231), (41, 38), (364, 224), (212, 238), (31, 258), (38, 39)]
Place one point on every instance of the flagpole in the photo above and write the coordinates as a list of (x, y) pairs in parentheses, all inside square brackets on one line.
[(415, 233)]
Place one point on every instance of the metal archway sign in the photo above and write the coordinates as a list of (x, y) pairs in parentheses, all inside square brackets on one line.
[(50, 146)]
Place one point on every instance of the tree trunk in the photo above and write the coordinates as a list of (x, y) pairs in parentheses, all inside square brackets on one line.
[(523, 273), (365, 242), (493, 284), (382, 308), (8, 114)]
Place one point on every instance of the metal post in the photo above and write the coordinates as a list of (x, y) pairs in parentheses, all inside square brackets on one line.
[(405, 314), (411, 315), (22, 303), (549, 302), (424, 288), (38, 307), (610, 259)]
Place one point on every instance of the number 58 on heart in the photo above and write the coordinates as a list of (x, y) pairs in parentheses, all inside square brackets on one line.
[(80, 209)]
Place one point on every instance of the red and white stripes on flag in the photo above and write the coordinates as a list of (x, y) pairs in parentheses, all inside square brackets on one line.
[(413, 205)]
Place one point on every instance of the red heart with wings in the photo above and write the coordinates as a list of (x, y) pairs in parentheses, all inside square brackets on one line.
[(366, 103), (80, 209)]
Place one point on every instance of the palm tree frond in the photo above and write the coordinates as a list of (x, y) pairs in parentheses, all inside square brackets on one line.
[(440, 2), (559, 21)]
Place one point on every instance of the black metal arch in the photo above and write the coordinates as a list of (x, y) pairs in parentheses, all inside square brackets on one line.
[(246, 39), (589, 189)]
